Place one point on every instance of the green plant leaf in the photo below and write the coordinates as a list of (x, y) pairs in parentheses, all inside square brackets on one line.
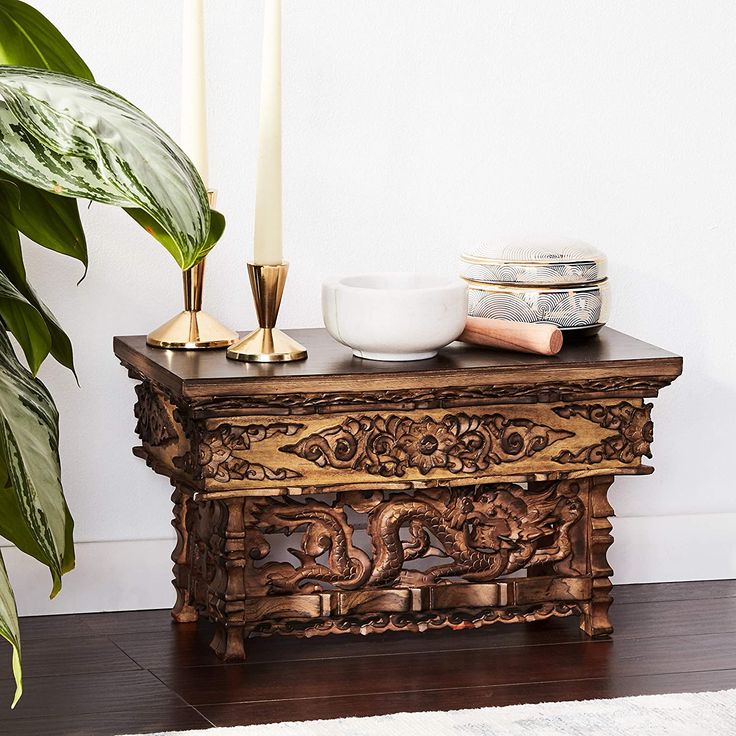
[(27, 38), (13, 527), (46, 218), (11, 264), (9, 627), (217, 227), (77, 139), (33, 513), (25, 322)]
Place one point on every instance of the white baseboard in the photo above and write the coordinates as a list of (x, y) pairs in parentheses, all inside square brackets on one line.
[(659, 549), (119, 576), (109, 576)]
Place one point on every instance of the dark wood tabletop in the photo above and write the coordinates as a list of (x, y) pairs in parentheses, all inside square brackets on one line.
[(193, 373)]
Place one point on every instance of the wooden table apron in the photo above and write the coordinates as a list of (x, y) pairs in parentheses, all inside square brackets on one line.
[(410, 496)]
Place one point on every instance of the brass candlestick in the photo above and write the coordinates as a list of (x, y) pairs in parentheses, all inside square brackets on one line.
[(267, 344), (193, 329)]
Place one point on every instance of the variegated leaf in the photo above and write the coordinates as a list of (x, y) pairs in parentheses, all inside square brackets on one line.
[(11, 264), (25, 322), (77, 139), (33, 512), (9, 628)]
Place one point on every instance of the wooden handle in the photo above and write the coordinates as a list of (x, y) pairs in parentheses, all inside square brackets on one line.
[(508, 335)]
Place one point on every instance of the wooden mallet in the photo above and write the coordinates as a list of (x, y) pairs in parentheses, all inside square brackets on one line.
[(507, 335)]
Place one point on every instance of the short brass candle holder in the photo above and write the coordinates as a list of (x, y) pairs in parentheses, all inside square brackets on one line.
[(193, 329), (267, 344)]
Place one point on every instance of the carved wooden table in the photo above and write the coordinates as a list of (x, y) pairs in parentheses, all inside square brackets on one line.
[(412, 491)]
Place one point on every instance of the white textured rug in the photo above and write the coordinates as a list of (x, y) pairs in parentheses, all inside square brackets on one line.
[(686, 714)]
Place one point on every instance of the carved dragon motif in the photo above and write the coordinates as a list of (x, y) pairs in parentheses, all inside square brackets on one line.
[(487, 531), (327, 530)]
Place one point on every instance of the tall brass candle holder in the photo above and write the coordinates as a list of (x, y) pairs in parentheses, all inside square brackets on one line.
[(267, 344), (193, 329)]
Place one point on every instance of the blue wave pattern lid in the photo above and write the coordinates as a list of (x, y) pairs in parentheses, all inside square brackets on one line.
[(532, 262)]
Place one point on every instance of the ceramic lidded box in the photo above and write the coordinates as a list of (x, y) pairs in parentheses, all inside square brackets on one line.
[(563, 282)]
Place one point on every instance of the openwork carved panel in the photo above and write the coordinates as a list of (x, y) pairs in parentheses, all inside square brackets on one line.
[(633, 427), (478, 534), (459, 443)]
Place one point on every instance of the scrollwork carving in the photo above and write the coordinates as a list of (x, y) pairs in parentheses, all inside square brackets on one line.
[(458, 443), (155, 426), (442, 397), (419, 621), (633, 424)]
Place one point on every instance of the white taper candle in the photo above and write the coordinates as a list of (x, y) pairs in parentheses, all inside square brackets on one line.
[(194, 94), (268, 223)]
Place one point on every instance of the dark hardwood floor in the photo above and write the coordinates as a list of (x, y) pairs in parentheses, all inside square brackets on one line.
[(135, 672)]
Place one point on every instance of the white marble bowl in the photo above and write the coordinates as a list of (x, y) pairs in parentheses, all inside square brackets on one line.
[(395, 316)]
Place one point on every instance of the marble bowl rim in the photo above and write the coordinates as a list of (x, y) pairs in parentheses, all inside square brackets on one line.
[(442, 282)]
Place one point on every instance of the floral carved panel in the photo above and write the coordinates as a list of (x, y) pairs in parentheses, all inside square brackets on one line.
[(632, 426), (390, 445), (410, 449), (223, 453)]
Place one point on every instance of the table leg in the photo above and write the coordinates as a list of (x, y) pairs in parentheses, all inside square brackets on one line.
[(594, 619), (221, 560), (228, 642), (183, 611)]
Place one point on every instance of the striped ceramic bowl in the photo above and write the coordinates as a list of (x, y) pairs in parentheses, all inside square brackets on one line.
[(579, 309), (531, 262)]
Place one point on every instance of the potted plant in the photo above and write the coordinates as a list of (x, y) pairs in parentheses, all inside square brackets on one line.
[(63, 137)]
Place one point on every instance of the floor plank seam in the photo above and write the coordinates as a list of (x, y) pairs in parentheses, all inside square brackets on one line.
[(526, 645), (370, 655), (444, 689), (520, 684), (171, 689), (120, 649), (84, 673), (199, 712)]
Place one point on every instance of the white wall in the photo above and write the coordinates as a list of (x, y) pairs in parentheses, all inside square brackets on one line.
[(414, 129)]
